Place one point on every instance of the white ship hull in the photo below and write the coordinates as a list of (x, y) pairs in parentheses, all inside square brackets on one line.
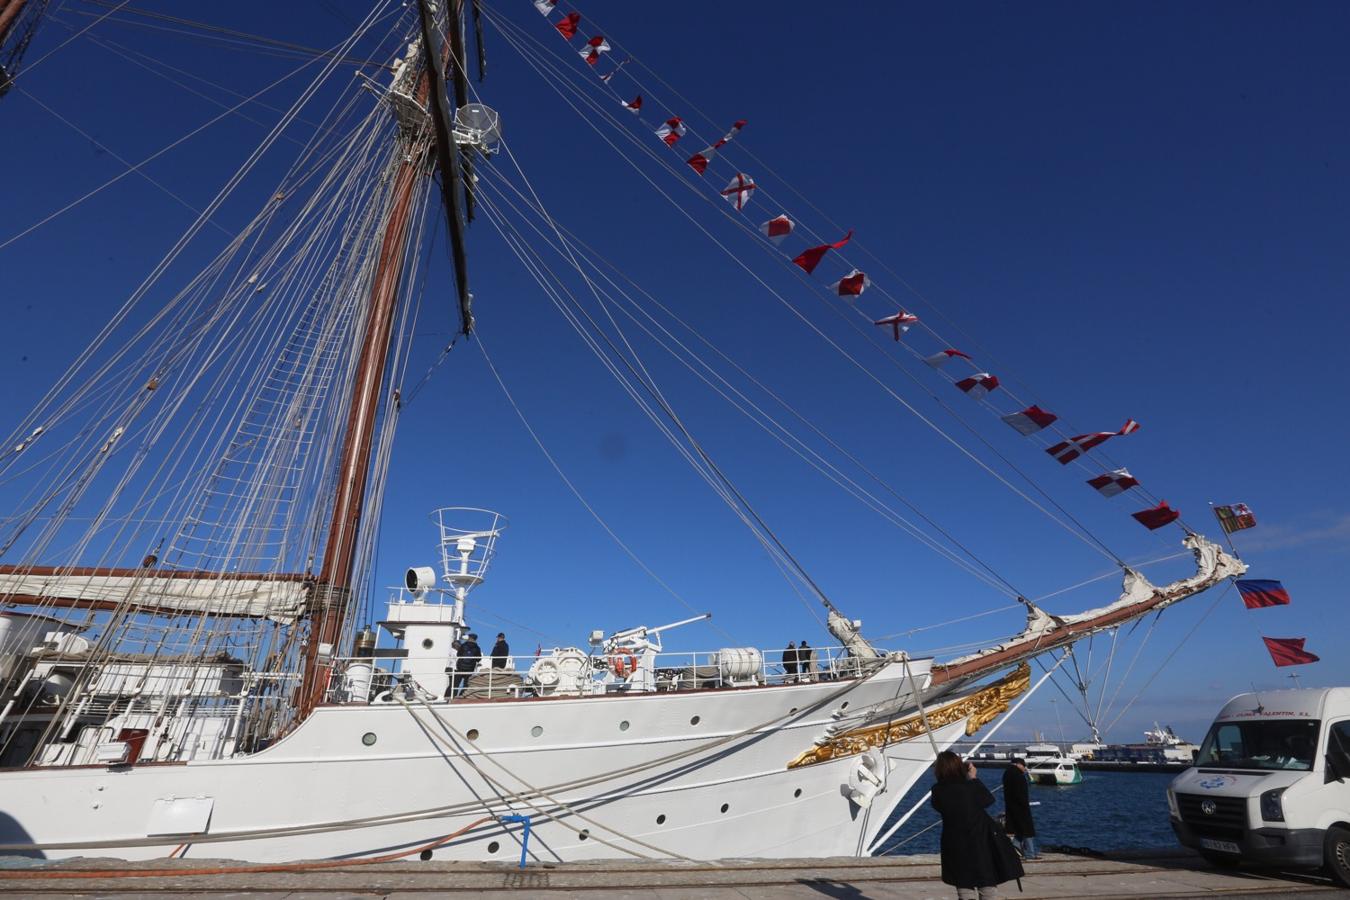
[(322, 792)]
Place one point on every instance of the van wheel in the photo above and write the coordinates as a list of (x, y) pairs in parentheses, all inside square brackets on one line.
[(1336, 852), (1221, 860)]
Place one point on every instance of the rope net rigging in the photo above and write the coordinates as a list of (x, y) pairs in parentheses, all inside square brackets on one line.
[(172, 492)]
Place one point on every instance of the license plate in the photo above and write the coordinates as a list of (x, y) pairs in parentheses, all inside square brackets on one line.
[(1225, 846)]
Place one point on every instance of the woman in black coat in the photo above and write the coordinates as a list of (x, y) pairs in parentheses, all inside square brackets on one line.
[(976, 854)]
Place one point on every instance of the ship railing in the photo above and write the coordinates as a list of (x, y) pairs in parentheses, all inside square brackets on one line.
[(360, 679)]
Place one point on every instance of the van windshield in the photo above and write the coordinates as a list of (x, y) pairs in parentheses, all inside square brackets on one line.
[(1268, 744)]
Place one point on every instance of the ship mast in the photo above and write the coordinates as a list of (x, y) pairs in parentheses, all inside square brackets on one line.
[(331, 599)]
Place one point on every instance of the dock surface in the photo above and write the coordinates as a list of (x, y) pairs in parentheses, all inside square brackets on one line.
[(1163, 873)]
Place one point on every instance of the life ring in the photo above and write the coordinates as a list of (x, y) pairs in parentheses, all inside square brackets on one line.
[(623, 662)]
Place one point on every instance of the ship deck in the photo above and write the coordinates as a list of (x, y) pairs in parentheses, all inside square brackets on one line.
[(1166, 872)]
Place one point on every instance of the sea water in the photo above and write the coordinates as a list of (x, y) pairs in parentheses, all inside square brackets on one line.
[(1107, 811)]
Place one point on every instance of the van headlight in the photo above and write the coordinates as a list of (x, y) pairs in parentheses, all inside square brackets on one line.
[(1272, 809), (1172, 804)]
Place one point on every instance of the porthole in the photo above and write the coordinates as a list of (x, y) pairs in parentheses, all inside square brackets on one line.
[(623, 726), (536, 731), (694, 720), (369, 739), (661, 819), (472, 734), (725, 807), (427, 643), (797, 792), (425, 855), (494, 847), (793, 711), (844, 705), (583, 834)]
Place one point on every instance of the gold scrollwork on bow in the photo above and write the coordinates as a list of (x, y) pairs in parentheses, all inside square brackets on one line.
[(979, 709)]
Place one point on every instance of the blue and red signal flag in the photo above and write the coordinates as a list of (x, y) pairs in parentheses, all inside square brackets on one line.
[(1257, 593)]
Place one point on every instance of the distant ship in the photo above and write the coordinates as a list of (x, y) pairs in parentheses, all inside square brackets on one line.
[(1161, 746)]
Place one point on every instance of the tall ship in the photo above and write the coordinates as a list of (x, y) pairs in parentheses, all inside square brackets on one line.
[(197, 658)]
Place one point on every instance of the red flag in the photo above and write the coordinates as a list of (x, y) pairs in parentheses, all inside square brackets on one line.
[(852, 285), (699, 161), (739, 190), (1117, 481), (938, 360), (777, 228), (1028, 421), (1067, 451), (634, 106), (899, 322), (671, 130), (1157, 517), (978, 385), (810, 258), (594, 47), (567, 27), (1289, 651)]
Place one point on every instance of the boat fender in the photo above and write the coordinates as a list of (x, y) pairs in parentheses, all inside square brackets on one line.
[(623, 662)]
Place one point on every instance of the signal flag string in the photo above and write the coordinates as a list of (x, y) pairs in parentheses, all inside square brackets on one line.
[(739, 192)]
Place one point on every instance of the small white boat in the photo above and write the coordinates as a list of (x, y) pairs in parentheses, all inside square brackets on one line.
[(1047, 764)]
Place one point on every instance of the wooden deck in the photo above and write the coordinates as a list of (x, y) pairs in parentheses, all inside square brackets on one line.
[(1159, 874)]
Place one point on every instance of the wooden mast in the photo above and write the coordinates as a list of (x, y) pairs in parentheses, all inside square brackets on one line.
[(9, 11), (330, 600)]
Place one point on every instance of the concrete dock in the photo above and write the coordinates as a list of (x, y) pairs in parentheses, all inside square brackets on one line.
[(1163, 873)]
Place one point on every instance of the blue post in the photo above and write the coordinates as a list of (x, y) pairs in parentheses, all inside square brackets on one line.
[(525, 839)]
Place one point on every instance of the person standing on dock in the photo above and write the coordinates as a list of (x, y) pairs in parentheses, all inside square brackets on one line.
[(790, 662), (1017, 807), (976, 855)]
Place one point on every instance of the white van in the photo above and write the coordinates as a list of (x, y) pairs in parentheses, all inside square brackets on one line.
[(1271, 783)]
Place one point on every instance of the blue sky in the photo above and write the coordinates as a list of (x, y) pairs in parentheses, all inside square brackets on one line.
[(1135, 211)]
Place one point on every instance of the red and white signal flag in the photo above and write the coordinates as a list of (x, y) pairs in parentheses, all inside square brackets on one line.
[(1157, 516), (671, 130), (545, 6), (938, 360), (979, 385), (567, 26), (614, 71), (1028, 421), (634, 106), (1067, 451), (699, 161), (1117, 481), (809, 258), (594, 47), (739, 190), (777, 228), (852, 284), (900, 323)]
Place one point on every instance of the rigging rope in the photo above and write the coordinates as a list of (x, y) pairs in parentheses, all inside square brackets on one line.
[(554, 82), (576, 492), (1057, 428)]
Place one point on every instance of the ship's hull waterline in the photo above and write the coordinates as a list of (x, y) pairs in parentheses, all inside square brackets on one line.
[(682, 773)]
